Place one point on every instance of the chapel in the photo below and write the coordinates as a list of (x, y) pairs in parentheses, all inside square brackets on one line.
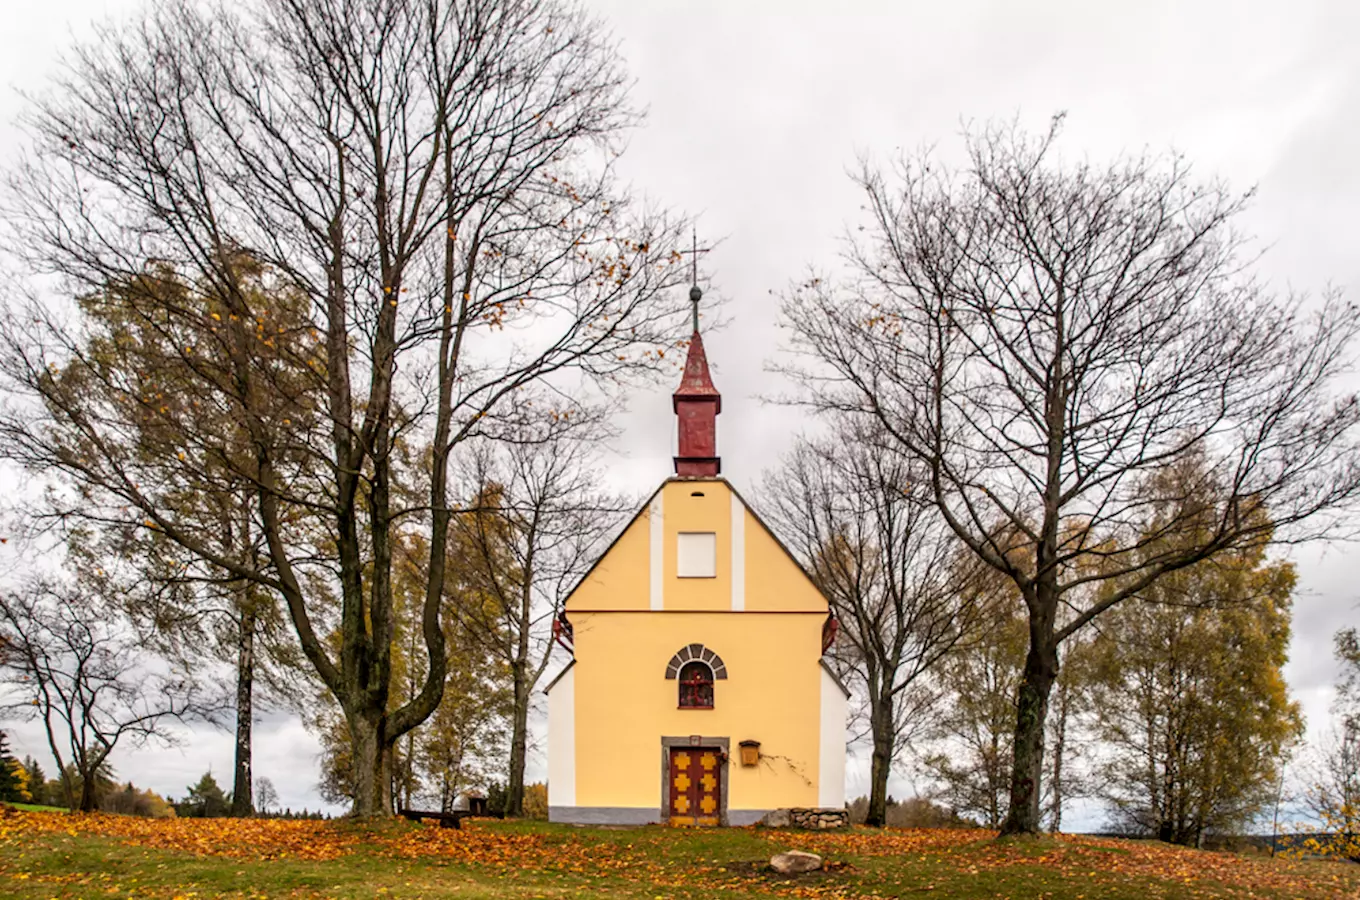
[(697, 693)]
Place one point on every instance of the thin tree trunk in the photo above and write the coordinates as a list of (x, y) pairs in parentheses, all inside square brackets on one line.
[(409, 770), (242, 792), (519, 739), (1059, 749)]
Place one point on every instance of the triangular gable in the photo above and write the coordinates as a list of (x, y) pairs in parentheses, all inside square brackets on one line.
[(637, 569)]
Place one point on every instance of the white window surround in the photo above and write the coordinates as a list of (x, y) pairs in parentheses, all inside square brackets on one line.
[(696, 554)]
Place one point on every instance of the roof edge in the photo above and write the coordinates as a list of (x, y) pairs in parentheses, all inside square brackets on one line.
[(568, 667), (826, 667)]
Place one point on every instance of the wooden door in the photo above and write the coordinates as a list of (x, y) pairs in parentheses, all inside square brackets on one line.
[(696, 786)]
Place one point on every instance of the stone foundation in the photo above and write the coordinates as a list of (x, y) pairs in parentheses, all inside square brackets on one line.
[(811, 819)]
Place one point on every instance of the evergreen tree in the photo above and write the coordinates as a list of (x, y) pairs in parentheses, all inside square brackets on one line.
[(204, 800), (11, 780), (37, 782)]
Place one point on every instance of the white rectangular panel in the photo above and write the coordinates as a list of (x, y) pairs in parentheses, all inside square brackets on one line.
[(696, 554)]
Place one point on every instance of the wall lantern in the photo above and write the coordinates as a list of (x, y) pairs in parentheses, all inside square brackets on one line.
[(750, 752)]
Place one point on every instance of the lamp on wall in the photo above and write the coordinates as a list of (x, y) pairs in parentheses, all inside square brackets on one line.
[(750, 752)]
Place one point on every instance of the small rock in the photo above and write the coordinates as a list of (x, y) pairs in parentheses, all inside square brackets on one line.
[(795, 862), (776, 818)]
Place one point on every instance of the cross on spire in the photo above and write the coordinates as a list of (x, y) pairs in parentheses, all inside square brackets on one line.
[(694, 292), (697, 402)]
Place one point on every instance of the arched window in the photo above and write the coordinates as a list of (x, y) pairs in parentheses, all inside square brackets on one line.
[(696, 686)]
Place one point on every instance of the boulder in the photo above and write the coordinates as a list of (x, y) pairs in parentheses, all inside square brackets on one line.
[(795, 862)]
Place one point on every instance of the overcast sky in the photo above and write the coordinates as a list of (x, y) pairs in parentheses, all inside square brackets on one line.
[(756, 111)]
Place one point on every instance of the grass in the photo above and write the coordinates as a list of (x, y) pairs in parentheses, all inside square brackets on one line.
[(38, 807), (43, 855)]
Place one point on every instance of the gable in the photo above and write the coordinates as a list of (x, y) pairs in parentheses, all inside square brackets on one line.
[(619, 578), (696, 546)]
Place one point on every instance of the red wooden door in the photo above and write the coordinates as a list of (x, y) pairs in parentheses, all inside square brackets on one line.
[(695, 786)]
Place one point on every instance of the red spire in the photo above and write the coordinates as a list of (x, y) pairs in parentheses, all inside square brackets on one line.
[(697, 404), (696, 384)]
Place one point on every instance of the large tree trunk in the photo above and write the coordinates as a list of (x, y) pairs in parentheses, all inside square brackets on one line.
[(242, 795), (372, 765), (881, 726), (1041, 671)]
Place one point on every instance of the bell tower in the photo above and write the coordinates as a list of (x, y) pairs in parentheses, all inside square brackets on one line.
[(697, 404)]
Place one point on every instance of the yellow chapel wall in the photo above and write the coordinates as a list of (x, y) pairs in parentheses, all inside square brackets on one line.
[(625, 704)]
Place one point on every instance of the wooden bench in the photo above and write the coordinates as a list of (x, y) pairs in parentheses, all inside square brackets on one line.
[(451, 819)]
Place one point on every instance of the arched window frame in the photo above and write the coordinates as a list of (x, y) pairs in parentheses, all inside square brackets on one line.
[(695, 684), (696, 653)]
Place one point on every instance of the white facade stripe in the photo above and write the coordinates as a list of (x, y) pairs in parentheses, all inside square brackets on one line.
[(738, 554), (657, 554)]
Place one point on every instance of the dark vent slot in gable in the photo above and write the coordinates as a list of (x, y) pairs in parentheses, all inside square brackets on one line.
[(696, 493)]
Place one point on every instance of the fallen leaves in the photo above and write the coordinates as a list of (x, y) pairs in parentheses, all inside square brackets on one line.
[(862, 862), (233, 838)]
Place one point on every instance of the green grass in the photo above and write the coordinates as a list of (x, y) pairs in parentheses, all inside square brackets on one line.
[(491, 861), (37, 807)]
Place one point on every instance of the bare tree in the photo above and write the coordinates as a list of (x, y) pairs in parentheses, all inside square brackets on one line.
[(187, 606), (1038, 336), (266, 795), (77, 665), (897, 579), (214, 627), (1330, 774), (436, 179), (541, 520)]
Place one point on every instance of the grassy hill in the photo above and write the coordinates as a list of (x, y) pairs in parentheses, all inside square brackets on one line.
[(46, 855)]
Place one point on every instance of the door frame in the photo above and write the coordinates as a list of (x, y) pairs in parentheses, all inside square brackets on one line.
[(678, 743)]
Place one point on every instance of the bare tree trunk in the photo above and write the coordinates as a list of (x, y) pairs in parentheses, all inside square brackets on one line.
[(881, 726), (67, 788), (89, 790), (242, 796), (1059, 750), (519, 740), (372, 765), (1041, 671), (409, 770)]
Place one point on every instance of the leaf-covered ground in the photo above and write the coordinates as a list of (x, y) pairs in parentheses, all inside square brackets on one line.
[(47, 855)]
